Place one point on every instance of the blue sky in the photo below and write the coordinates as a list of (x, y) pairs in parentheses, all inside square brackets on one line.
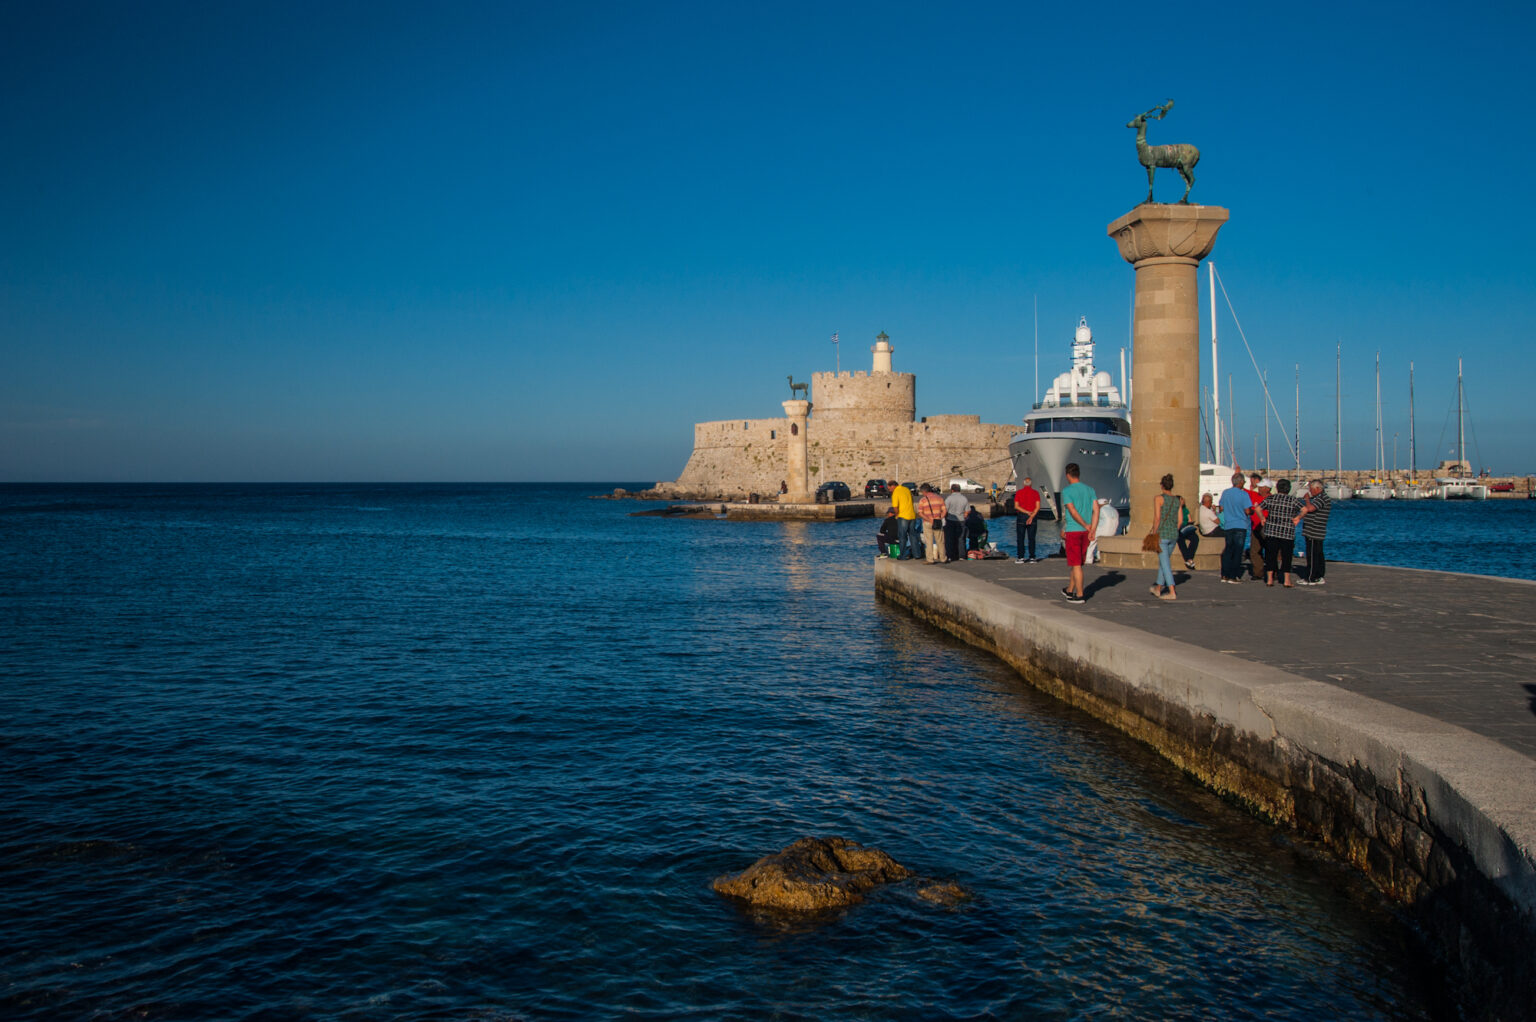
[(337, 241)]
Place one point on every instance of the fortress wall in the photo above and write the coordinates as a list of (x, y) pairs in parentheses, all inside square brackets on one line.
[(912, 451), (742, 456), (863, 397)]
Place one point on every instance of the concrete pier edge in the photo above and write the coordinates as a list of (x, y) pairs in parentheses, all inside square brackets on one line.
[(1442, 819)]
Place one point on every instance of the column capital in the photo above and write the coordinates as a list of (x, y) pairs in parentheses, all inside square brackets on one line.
[(1167, 232), (797, 409)]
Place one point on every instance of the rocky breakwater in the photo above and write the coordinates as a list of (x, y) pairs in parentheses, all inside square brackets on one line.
[(823, 874)]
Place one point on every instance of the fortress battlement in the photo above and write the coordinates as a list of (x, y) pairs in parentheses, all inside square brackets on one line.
[(862, 425)]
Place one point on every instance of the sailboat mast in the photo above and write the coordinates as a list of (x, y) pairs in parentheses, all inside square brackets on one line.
[(1298, 418), (1461, 438), (1215, 377), (1231, 420), (1381, 453), (1266, 423), (1338, 411), (1413, 451)]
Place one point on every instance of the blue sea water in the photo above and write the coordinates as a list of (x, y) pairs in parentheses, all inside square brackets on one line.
[(443, 752)]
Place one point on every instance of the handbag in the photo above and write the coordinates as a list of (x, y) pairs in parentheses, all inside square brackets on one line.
[(1149, 543)]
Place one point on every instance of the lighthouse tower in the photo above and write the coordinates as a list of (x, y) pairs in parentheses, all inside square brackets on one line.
[(880, 395), (882, 350)]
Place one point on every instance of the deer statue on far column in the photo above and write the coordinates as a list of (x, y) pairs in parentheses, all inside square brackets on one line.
[(1180, 156)]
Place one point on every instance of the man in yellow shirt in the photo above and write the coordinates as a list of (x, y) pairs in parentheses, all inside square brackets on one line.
[(906, 520)]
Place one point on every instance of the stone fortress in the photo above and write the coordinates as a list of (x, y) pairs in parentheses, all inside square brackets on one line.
[(857, 426)]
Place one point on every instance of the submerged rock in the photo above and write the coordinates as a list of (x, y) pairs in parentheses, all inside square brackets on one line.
[(812, 875), (944, 893)]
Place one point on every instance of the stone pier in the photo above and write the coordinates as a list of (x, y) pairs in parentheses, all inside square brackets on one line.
[(1165, 244), (1387, 717)]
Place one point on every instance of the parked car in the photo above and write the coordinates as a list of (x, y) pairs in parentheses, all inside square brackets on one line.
[(967, 485), (832, 491), (877, 488)]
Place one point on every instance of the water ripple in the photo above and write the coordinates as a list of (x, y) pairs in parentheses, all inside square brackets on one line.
[(477, 752)]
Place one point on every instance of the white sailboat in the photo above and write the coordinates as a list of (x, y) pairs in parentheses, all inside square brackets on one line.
[(1460, 487), (1377, 490)]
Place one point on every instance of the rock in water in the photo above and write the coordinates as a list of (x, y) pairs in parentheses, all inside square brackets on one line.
[(811, 875)]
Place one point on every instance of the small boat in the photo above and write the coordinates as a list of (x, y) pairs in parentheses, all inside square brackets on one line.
[(1214, 478), (1460, 487)]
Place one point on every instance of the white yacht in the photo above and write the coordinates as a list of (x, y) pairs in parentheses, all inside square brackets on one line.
[(1082, 418)]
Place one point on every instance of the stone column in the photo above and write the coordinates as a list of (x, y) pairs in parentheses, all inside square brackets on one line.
[(1165, 244), (799, 477)]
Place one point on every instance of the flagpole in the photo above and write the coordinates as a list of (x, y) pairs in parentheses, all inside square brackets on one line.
[(838, 356)]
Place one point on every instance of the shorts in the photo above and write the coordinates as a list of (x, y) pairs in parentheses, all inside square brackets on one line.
[(1076, 544)]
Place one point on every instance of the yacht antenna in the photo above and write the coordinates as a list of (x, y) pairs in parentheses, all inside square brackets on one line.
[(1037, 346)]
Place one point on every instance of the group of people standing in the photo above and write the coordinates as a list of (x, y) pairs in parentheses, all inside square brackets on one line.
[(948, 525), (1260, 521)]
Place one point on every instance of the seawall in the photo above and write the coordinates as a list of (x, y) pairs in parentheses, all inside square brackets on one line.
[(1440, 817)]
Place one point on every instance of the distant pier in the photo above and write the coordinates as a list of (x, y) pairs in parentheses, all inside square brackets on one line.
[(1390, 716)]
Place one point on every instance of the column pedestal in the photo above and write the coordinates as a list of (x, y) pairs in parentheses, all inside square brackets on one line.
[(1165, 244), (798, 475)]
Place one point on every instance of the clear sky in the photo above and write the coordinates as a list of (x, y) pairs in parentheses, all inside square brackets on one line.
[(503, 241)]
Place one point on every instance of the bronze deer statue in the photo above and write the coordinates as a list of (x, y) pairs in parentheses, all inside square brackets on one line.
[(1180, 156), (798, 388)]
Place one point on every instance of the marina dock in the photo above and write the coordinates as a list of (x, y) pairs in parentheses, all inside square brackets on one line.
[(1389, 715)]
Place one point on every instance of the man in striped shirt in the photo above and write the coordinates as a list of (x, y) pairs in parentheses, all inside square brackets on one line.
[(1313, 520)]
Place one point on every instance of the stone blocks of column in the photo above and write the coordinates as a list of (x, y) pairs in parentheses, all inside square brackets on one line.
[(799, 478), (1165, 244)]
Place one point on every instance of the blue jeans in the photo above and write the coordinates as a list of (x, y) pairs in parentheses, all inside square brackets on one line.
[(1234, 552), (906, 536), (1024, 532), (1164, 569)]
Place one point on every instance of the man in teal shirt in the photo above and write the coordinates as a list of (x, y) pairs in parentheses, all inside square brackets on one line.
[(1076, 529)]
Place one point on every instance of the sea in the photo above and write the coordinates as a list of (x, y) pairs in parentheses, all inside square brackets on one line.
[(477, 752)]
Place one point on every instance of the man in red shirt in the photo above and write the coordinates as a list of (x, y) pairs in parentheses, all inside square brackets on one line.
[(1258, 489), (1026, 507)]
